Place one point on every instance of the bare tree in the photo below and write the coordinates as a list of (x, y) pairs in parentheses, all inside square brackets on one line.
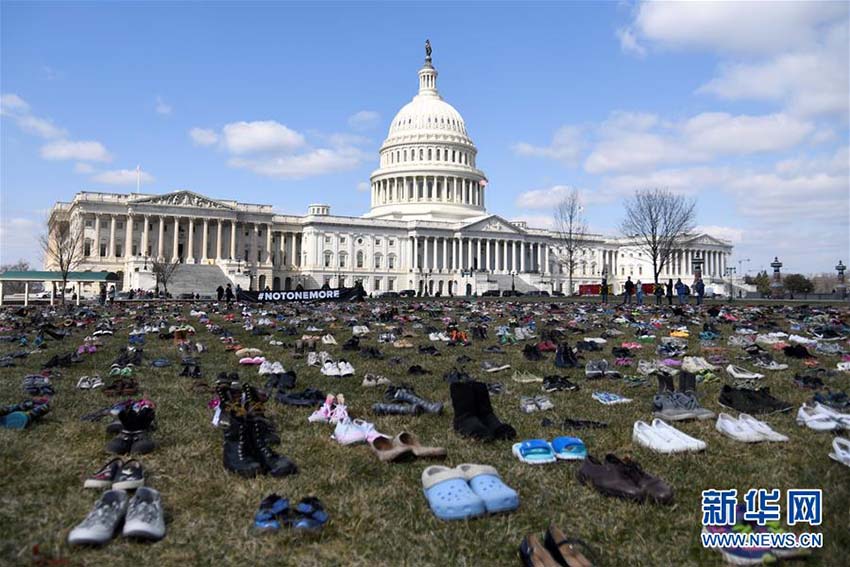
[(163, 270), (656, 220), (572, 231), (12, 287), (62, 247)]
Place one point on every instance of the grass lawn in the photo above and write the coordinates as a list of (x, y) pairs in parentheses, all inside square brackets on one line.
[(379, 515)]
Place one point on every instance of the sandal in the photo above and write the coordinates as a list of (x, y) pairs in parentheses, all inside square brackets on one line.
[(563, 548), (310, 515)]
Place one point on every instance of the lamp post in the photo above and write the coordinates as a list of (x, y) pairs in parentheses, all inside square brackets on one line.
[(841, 288), (730, 275), (513, 283)]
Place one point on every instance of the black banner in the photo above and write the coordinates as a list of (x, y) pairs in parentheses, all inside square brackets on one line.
[(295, 295)]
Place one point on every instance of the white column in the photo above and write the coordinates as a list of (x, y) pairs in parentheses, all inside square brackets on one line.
[(414, 253), (546, 259), (218, 239), (487, 253), (513, 256), (478, 256), (97, 235), (128, 241), (205, 240), (174, 239), (522, 256), (505, 257), (255, 244), (233, 240), (268, 243), (160, 244), (445, 264), (425, 264), (190, 255), (469, 254), (436, 254), (147, 220)]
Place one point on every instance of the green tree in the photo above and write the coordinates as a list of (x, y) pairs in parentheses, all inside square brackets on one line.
[(762, 283), (798, 283)]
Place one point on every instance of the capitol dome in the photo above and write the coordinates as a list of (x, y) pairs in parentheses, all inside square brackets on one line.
[(427, 162)]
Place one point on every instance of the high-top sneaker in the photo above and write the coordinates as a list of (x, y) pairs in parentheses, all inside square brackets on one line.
[(665, 383), (238, 454), (270, 462), (396, 409), (687, 382)]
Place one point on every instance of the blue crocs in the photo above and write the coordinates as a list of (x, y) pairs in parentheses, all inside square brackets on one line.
[(270, 512), (448, 494), (569, 448), (310, 515), (485, 482), (534, 452), (15, 420)]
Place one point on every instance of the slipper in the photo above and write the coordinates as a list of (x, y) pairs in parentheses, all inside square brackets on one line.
[(405, 439), (388, 452), (485, 483), (449, 495), (569, 448), (841, 451), (310, 514), (534, 452), (563, 549)]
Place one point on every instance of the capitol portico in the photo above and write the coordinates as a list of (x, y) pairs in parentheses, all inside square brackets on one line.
[(427, 229)]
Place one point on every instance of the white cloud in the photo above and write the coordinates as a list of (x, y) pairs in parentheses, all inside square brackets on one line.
[(685, 181), (161, 106), (543, 198), (11, 103), (203, 136), (740, 27), (363, 187), (261, 136), (364, 119), (629, 43), (565, 146), (122, 177), (81, 167), (732, 234), (313, 162), (721, 133), (20, 240), (80, 151), (40, 127)]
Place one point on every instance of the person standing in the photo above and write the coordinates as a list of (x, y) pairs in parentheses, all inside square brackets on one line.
[(699, 288), (680, 291), (228, 294), (659, 293), (604, 290), (219, 292), (639, 292), (112, 294), (629, 290), (670, 291), (102, 294)]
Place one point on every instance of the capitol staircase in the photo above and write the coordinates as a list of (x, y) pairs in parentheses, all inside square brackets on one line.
[(197, 278)]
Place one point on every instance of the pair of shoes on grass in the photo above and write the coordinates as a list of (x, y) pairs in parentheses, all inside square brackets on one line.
[(541, 452), (275, 512), (402, 448), (556, 550), (142, 518), (467, 491)]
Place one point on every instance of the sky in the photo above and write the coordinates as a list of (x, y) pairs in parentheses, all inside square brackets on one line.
[(741, 106)]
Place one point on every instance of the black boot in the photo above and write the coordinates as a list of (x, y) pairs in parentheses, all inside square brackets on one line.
[(665, 382), (238, 455), (272, 463), (396, 409), (408, 396), (493, 424), (466, 420), (687, 382)]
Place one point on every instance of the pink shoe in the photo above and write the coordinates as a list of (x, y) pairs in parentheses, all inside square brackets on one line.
[(340, 411), (246, 360), (259, 360), (357, 431), (323, 414)]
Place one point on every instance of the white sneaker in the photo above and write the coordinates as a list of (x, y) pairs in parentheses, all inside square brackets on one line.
[(742, 373), (144, 515), (345, 368), (328, 340), (811, 417), (772, 365), (646, 436), (843, 419), (735, 429), (687, 442), (696, 364), (99, 526), (433, 337), (351, 432), (359, 330), (312, 358), (277, 368), (841, 451), (330, 368), (443, 337), (266, 367), (761, 428), (324, 357)]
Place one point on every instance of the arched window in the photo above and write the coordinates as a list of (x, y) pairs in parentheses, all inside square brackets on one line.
[(359, 258), (343, 259), (328, 258), (391, 261), (421, 154), (438, 154), (379, 259), (429, 154)]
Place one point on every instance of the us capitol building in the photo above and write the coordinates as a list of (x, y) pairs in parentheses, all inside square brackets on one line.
[(427, 229)]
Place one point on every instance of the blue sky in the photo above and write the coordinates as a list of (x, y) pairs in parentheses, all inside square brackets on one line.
[(743, 106)]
